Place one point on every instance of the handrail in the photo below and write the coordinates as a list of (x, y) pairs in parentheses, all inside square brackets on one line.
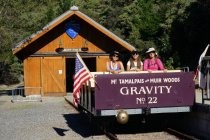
[(27, 94)]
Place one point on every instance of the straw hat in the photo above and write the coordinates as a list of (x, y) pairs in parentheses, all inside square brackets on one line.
[(150, 50)]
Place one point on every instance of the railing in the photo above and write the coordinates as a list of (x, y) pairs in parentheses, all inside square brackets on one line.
[(27, 94), (205, 69), (185, 69)]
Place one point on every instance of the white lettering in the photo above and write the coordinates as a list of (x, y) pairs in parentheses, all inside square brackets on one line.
[(124, 91), (155, 80), (149, 90), (133, 90), (131, 81), (140, 100), (171, 80), (168, 88), (161, 89), (142, 90), (152, 100), (145, 90), (113, 81)]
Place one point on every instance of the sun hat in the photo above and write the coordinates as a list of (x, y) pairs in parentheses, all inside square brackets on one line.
[(134, 52), (114, 53), (150, 50)]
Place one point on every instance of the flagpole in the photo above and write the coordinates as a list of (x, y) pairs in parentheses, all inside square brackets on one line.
[(82, 75), (79, 57)]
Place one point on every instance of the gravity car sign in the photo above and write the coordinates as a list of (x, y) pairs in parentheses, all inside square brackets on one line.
[(114, 91)]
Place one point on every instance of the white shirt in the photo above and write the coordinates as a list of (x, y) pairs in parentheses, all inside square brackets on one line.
[(135, 65)]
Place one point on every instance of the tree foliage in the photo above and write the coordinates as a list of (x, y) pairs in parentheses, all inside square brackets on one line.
[(179, 29), (191, 33)]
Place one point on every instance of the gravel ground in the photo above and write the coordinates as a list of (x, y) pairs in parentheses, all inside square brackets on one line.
[(54, 119)]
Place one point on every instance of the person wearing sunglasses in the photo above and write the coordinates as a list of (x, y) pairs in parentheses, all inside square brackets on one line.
[(114, 66), (152, 62), (134, 63)]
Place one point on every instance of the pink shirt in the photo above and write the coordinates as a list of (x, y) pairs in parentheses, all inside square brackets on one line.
[(155, 64)]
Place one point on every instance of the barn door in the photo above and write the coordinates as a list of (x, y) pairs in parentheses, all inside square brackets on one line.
[(32, 76), (53, 76)]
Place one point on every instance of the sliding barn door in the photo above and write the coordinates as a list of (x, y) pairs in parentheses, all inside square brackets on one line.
[(53, 76)]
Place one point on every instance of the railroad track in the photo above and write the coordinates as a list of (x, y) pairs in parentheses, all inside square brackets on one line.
[(110, 135), (180, 134), (99, 126), (102, 127), (108, 132), (171, 131)]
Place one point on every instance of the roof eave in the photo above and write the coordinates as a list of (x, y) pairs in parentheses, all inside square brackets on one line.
[(43, 31), (59, 20), (105, 31)]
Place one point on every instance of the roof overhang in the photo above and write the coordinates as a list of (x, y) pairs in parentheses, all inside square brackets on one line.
[(24, 43)]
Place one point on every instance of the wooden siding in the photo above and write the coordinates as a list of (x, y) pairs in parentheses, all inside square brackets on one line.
[(53, 76), (32, 76), (101, 63), (86, 24), (87, 37), (64, 41), (53, 71)]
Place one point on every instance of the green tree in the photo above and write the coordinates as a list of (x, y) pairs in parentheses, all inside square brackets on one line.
[(190, 33), (173, 26), (19, 19)]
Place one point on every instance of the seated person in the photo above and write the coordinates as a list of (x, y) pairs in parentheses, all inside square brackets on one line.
[(152, 62), (134, 63), (114, 66)]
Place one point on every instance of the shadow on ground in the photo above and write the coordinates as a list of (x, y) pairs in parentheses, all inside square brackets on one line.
[(80, 124)]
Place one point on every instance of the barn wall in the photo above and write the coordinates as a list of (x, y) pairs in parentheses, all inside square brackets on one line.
[(32, 75), (45, 75), (46, 68), (101, 63), (87, 37), (48, 74)]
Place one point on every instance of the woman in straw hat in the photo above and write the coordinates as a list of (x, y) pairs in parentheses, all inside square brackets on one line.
[(152, 62)]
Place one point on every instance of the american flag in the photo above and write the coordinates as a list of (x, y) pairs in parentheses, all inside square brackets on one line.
[(82, 75)]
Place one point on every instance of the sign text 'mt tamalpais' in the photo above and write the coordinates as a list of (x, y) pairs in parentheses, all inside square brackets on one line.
[(143, 88)]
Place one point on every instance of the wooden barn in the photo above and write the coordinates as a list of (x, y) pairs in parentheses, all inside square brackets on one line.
[(49, 55)]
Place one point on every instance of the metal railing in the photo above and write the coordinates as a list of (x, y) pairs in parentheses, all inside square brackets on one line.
[(206, 72), (27, 94), (185, 69)]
